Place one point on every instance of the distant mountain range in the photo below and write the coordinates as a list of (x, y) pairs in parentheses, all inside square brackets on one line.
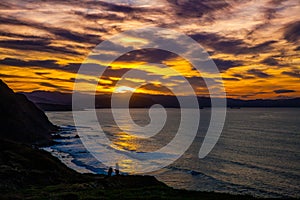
[(51, 101)]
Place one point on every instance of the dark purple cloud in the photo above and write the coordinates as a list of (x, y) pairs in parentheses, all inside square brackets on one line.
[(270, 61), (32, 63), (10, 76), (282, 91), (62, 33), (259, 73), (41, 45), (223, 65), (115, 7), (148, 55), (196, 8), (292, 32), (295, 73), (47, 84), (110, 72), (231, 45), (157, 88), (243, 76), (50, 64), (230, 79)]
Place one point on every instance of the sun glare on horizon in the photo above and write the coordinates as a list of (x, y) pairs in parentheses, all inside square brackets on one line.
[(124, 89)]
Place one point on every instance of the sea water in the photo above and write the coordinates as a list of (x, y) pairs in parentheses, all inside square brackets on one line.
[(258, 152)]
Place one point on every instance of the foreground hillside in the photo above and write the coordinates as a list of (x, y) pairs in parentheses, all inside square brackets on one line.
[(21, 120), (29, 173)]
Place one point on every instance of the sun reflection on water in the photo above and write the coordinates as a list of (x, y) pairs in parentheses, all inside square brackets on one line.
[(124, 141)]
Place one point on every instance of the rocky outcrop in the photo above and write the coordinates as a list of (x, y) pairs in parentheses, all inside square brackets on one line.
[(21, 121)]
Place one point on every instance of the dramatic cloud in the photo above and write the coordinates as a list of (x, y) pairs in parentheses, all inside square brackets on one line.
[(148, 55), (156, 88), (242, 76), (231, 45), (270, 61), (10, 76), (283, 91), (259, 73), (56, 87), (292, 32), (195, 8), (50, 64), (230, 79), (223, 65), (255, 44), (32, 63), (295, 74), (41, 45)]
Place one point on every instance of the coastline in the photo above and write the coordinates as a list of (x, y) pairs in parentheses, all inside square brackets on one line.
[(84, 168), (28, 172), (200, 179)]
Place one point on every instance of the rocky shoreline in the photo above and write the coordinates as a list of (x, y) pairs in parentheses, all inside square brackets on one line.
[(27, 172)]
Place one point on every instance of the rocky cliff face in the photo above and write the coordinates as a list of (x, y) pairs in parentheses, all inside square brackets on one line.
[(21, 121)]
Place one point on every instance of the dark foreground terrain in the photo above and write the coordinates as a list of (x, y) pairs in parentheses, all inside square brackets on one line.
[(30, 173)]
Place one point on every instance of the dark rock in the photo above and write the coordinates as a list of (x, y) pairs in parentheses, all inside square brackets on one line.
[(21, 165), (57, 136), (21, 121)]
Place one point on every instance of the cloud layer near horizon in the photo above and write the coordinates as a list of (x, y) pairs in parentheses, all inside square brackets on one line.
[(255, 44)]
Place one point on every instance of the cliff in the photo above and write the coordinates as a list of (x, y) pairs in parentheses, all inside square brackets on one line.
[(21, 121)]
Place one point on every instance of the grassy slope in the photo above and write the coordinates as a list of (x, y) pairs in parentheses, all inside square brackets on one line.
[(29, 173)]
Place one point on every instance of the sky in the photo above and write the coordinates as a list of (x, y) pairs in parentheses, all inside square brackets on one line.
[(255, 45)]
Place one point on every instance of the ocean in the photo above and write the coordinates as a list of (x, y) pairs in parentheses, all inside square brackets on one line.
[(258, 152)]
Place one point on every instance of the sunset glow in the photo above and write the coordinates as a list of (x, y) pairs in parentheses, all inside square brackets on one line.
[(255, 45), (124, 89)]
